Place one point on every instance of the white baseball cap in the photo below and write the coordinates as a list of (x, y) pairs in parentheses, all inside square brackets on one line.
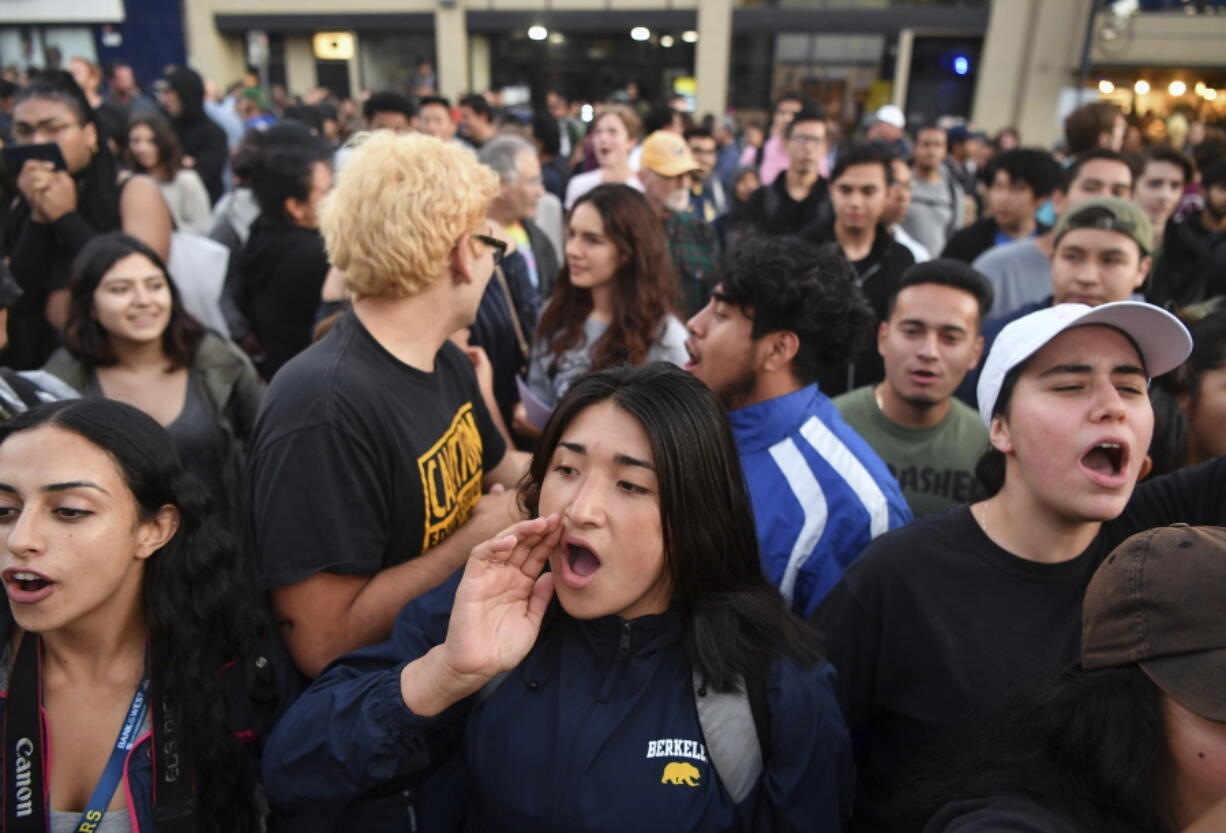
[(1162, 338), (891, 114)]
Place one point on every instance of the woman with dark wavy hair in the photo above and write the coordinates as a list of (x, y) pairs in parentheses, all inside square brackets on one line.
[(126, 607), (613, 301), (129, 338), (586, 650)]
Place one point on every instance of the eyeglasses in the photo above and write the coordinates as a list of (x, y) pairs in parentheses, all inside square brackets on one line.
[(24, 132), (499, 246)]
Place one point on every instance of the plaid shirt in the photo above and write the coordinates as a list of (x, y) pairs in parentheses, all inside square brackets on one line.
[(695, 251)]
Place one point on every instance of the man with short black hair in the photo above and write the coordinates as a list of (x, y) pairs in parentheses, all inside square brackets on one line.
[(794, 200), (928, 341), (1020, 272), (707, 197), (1018, 182), (476, 120), (1161, 180), (434, 118), (859, 188), (388, 111), (781, 312), (960, 159), (937, 200)]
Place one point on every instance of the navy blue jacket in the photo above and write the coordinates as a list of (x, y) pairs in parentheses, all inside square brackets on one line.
[(596, 730)]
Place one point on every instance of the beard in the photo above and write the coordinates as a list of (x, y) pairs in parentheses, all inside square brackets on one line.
[(733, 394), (678, 201)]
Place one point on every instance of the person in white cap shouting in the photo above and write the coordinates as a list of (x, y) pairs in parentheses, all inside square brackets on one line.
[(936, 623)]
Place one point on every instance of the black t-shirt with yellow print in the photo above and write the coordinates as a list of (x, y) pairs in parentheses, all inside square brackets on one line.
[(359, 462)]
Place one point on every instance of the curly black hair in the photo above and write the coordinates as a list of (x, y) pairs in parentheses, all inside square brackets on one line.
[(199, 609), (784, 283)]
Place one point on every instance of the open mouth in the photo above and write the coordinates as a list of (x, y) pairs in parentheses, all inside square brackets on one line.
[(693, 354), (26, 585), (1106, 459), (923, 375), (581, 560)]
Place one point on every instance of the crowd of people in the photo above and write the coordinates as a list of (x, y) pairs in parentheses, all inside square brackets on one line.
[(412, 464)]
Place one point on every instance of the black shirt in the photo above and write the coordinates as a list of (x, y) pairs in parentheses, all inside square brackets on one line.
[(934, 625), (360, 462), (283, 270), (772, 210)]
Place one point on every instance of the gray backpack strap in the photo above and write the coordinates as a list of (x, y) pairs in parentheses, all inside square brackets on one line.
[(731, 736)]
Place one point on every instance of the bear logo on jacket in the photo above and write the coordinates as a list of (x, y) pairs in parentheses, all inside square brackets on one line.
[(679, 772)]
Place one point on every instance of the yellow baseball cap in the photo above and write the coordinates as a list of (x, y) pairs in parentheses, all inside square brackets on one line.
[(667, 154)]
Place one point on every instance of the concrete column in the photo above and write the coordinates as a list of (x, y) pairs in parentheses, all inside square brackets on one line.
[(479, 63), (713, 57), (355, 67), (451, 50), (902, 68), (300, 74), (215, 56), (1031, 53)]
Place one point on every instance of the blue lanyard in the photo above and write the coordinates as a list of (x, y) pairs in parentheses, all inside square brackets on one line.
[(96, 808)]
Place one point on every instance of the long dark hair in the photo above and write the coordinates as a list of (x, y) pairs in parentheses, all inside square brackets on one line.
[(1091, 748), (97, 183), (734, 618), (85, 338), (645, 285), (197, 604), (170, 152)]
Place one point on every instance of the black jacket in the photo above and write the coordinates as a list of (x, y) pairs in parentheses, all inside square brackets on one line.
[(773, 211), (1188, 270), (202, 139), (969, 243), (282, 273)]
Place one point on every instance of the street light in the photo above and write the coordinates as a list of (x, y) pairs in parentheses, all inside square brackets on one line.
[(1177, 88), (640, 33), (1141, 87), (537, 32)]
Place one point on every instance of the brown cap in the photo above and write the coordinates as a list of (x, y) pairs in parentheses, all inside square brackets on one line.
[(1159, 601)]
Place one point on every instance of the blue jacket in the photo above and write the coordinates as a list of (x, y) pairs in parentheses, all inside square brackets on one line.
[(596, 730), (819, 492)]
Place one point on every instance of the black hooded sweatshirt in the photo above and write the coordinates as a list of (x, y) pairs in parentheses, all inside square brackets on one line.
[(282, 274), (201, 137)]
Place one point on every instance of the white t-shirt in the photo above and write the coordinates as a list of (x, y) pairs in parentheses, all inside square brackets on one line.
[(580, 184)]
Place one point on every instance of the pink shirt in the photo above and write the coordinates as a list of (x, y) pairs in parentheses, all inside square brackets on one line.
[(774, 159)]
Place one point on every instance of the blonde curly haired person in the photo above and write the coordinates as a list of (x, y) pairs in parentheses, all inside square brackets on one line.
[(371, 457)]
